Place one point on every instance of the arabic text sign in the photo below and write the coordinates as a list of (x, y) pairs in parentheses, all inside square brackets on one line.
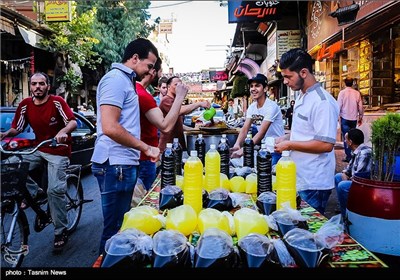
[(57, 10), (251, 11)]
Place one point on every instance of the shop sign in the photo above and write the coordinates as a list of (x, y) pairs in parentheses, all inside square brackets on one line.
[(57, 11), (218, 76), (166, 28), (286, 40), (253, 11), (329, 51)]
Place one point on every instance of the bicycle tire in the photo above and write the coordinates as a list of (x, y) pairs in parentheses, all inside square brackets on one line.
[(13, 253), (74, 197)]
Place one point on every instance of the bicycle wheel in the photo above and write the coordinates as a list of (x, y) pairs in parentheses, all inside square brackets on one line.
[(14, 232), (74, 198)]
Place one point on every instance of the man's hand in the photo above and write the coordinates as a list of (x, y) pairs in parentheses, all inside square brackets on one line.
[(282, 146), (153, 153), (181, 90), (205, 104), (237, 154), (61, 137), (3, 135)]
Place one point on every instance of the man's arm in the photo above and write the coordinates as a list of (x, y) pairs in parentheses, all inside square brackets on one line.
[(9, 133), (236, 150), (113, 129), (312, 146), (156, 116), (186, 109), (261, 132), (62, 135)]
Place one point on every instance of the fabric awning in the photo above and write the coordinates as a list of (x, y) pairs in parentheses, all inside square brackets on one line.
[(30, 37), (7, 26)]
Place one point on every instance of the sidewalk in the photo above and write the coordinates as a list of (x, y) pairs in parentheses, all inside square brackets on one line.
[(332, 208)]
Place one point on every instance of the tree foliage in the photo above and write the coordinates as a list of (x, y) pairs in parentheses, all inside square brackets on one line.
[(116, 24), (75, 39), (385, 139)]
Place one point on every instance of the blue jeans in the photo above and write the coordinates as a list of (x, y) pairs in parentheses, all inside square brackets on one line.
[(116, 184), (345, 126), (342, 190), (147, 173), (318, 199), (275, 158)]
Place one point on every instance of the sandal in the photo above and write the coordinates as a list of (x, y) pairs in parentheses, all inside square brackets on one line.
[(41, 222), (60, 241)]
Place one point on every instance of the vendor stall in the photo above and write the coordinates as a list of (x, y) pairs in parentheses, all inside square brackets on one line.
[(347, 254)]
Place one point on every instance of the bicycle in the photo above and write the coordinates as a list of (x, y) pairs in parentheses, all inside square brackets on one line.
[(14, 230)]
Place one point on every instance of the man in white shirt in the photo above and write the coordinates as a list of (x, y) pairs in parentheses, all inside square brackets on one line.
[(351, 111), (313, 133), (264, 113)]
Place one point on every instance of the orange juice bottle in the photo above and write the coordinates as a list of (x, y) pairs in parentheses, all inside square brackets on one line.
[(212, 167), (193, 182), (285, 181)]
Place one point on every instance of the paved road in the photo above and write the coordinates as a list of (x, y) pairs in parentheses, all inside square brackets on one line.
[(82, 247)]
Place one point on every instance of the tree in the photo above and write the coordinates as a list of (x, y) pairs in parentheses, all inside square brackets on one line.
[(116, 24), (73, 44)]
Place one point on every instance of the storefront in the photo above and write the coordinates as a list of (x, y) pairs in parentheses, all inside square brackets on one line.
[(371, 58)]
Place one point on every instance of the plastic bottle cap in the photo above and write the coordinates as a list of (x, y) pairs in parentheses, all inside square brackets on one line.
[(212, 146), (285, 153), (200, 135), (223, 135), (193, 153), (176, 139), (169, 145)]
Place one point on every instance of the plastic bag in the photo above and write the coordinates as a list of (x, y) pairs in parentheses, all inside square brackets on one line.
[(330, 234)]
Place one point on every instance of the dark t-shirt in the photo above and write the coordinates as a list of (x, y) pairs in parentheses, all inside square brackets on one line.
[(176, 132)]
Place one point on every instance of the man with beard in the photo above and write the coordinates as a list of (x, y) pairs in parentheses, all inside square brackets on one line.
[(50, 117), (264, 114), (313, 133)]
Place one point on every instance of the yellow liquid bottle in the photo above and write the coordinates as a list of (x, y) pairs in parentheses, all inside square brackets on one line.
[(285, 181), (193, 182), (212, 168)]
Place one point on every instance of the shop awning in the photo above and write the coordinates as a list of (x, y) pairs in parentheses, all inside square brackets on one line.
[(30, 37), (248, 67)]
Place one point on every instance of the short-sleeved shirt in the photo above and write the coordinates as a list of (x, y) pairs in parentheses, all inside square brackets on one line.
[(315, 117), (176, 132), (46, 120), (148, 132), (116, 89), (269, 112)]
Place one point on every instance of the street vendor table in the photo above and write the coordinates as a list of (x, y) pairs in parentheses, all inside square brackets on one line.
[(348, 254)]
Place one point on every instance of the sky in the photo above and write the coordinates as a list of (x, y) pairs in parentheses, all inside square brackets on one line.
[(198, 26)]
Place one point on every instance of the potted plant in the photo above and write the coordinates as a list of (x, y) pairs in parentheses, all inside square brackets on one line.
[(373, 207), (385, 139)]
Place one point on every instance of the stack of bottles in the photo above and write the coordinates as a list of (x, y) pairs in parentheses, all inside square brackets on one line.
[(168, 167), (264, 170), (193, 182), (248, 151), (285, 181), (212, 169), (176, 146), (200, 147), (223, 150)]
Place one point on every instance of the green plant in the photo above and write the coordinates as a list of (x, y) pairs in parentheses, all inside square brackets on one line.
[(385, 139)]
